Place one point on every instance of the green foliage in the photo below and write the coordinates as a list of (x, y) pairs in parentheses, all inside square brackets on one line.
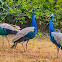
[(22, 8), (39, 34)]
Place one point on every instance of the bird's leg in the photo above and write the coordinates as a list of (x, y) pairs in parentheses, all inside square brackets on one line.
[(7, 40), (22, 43), (3, 41), (57, 51), (23, 46), (27, 44), (3, 46)]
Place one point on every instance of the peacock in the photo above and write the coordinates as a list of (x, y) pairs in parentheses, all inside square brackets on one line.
[(55, 36), (26, 33), (6, 29)]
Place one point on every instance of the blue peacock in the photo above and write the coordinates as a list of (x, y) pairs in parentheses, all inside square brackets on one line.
[(55, 36), (6, 29), (26, 33)]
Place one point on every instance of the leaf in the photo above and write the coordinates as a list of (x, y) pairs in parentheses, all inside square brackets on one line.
[(2, 17), (21, 22)]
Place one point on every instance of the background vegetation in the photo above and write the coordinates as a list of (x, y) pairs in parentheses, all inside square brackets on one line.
[(19, 12)]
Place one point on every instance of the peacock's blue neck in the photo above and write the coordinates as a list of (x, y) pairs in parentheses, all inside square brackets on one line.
[(51, 26), (33, 21)]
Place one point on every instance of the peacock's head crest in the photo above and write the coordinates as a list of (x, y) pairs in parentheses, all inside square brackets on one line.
[(33, 9), (51, 15)]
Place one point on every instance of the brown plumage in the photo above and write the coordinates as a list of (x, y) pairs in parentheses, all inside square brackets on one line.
[(10, 27), (23, 32), (57, 37), (20, 36)]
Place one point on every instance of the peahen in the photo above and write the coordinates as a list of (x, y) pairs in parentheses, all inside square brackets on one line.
[(55, 36), (26, 33), (6, 29)]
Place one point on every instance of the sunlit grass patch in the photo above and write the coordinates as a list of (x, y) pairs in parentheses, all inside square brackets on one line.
[(39, 50)]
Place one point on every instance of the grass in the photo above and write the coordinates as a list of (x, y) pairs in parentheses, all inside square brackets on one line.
[(39, 50)]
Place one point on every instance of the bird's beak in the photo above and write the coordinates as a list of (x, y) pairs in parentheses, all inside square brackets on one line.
[(50, 15), (53, 14)]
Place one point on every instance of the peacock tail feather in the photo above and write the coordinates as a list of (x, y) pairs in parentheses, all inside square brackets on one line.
[(14, 45), (2, 31)]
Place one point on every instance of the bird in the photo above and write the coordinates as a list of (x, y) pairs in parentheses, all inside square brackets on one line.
[(6, 29), (55, 36), (26, 33), (9, 26)]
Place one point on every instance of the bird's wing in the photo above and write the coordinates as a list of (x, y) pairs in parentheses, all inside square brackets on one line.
[(23, 32), (9, 26), (15, 26), (57, 37)]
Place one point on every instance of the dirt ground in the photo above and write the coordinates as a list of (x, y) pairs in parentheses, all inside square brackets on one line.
[(39, 50)]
